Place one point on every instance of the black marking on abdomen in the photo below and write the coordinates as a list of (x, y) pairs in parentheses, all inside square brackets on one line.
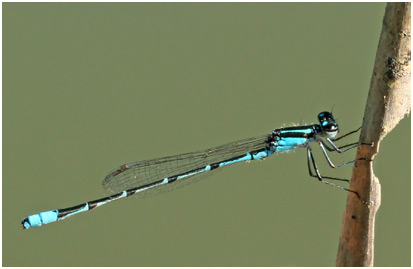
[(131, 192), (172, 179), (69, 210), (214, 165), (93, 204)]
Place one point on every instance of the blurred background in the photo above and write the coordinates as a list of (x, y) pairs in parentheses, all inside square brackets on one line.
[(87, 87)]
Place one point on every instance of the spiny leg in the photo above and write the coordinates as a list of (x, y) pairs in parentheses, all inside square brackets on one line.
[(320, 142), (338, 149), (310, 160), (349, 146)]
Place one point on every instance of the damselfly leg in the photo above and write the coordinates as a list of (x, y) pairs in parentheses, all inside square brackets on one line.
[(311, 162), (323, 145)]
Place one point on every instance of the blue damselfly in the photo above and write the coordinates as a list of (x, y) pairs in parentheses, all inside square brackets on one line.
[(164, 174)]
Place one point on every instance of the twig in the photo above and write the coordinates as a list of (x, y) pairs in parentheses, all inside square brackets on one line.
[(388, 102)]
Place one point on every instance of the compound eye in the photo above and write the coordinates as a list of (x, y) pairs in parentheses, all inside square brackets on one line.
[(325, 116)]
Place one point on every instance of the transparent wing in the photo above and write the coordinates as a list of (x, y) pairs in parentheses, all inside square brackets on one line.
[(132, 175)]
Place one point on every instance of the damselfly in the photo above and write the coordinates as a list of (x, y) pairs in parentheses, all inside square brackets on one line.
[(164, 174)]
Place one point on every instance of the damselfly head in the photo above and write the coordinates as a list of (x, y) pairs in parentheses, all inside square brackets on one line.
[(328, 124)]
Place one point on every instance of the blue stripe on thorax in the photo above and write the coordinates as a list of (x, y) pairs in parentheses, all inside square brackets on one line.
[(290, 138), (291, 141)]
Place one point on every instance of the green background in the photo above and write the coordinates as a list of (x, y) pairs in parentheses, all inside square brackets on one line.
[(87, 87)]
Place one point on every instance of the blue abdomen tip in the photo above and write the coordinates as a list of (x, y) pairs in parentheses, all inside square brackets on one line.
[(40, 219)]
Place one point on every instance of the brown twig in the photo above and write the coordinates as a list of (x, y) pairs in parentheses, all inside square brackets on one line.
[(388, 102)]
